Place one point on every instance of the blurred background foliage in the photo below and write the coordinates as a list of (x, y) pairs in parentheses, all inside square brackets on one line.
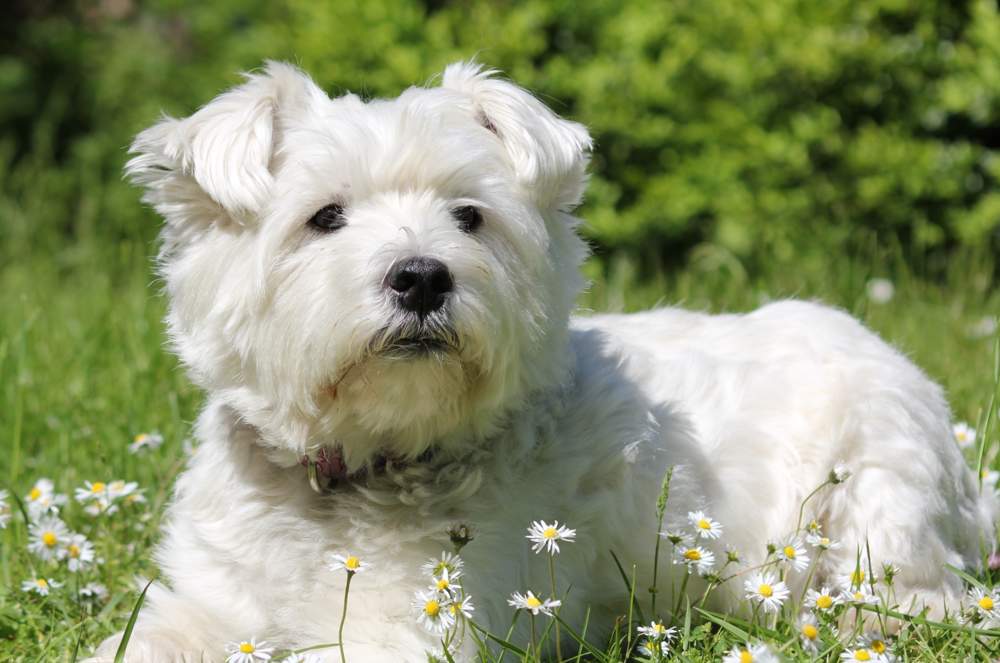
[(770, 132)]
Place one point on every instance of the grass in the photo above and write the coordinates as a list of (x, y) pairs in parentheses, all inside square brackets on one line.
[(83, 369)]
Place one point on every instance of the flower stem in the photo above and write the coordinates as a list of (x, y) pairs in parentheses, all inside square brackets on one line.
[(343, 618), (552, 574), (681, 594), (661, 507), (802, 507), (534, 645)]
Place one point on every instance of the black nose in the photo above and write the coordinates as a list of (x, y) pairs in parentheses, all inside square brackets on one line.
[(421, 284)]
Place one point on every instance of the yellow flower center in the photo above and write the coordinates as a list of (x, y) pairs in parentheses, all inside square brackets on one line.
[(247, 648), (986, 603), (34, 494), (862, 655), (74, 550), (704, 524), (858, 596), (858, 577), (97, 487), (824, 602), (746, 657), (533, 602), (812, 526), (789, 552), (352, 563), (693, 555), (140, 437), (659, 628), (443, 584), (432, 608), (550, 533), (42, 582), (766, 591), (810, 631), (962, 436), (50, 539), (878, 646), (825, 542)]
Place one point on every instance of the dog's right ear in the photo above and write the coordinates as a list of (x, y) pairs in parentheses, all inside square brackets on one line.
[(220, 157)]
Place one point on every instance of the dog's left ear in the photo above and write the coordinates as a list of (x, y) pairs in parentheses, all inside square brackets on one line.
[(549, 154), (223, 152)]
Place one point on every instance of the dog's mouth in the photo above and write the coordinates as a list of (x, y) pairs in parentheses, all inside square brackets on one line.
[(414, 343), (416, 346)]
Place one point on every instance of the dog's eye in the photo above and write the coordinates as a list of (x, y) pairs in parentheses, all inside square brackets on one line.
[(469, 218), (329, 218)]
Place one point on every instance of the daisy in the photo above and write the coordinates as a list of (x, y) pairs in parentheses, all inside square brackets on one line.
[(704, 526), (985, 603), (793, 553), (990, 478), (840, 473), (965, 435), (79, 553), (824, 600), (432, 612), (463, 608), (42, 499), (877, 644), (547, 537), (766, 590), (748, 653), (347, 562), (695, 557), (40, 586), (449, 562), (858, 654), (93, 591), (813, 527), (856, 577), (248, 651), (47, 538), (92, 490), (144, 441), (654, 648), (446, 586), (4, 509), (809, 633), (657, 631), (822, 542), (859, 595), (531, 602), (677, 537), (122, 489)]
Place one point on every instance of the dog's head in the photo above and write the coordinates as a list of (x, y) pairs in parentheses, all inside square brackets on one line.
[(387, 274)]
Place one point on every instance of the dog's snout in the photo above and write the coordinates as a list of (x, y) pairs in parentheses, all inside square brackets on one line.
[(421, 284)]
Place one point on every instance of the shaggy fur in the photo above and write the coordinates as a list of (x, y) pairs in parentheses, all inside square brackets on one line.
[(526, 414)]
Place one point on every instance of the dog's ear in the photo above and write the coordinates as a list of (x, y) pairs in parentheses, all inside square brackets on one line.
[(549, 154), (221, 156)]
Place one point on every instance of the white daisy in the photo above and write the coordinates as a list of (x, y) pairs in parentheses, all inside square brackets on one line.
[(248, 651), (657, 631), (766, 590), (822, 542), (79, 553), (748, 653), (793, 553), (432, 612), (40, 586), (824, 600), (878, 644), (857, 576), (813, 527), (695, 557), (704, 526), (42, 499), (677, 537), (858, 654), (446, 586), (547, 537), (347, 562), (986, 603), (449, 562), (93, 591), (144, 441), (47, 538), (120, 489), (859, 595), (654, 648), (965, 435), (990, 478), (531, 602), (809, 633), (92, 491), (5, 513), (463, 608)]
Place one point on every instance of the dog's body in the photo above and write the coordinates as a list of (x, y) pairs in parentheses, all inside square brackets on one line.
[(483, 403)]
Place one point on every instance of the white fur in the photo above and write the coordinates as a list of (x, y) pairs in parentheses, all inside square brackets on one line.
[(534, 416)]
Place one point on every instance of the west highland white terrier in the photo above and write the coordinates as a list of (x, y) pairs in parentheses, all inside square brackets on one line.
[(376, 297)]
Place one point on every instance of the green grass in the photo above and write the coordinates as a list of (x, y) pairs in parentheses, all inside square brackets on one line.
[(83, 369)]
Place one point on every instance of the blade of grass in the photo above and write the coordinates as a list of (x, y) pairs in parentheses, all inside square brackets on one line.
[(628, 586), (127, 634)]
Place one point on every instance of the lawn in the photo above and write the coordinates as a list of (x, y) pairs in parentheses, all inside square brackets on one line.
[(83, 370)]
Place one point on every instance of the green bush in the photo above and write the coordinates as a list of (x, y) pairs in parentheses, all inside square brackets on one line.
[(775, 130)]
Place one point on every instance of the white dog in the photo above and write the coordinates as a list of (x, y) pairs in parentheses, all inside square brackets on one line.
[(376, 298)]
